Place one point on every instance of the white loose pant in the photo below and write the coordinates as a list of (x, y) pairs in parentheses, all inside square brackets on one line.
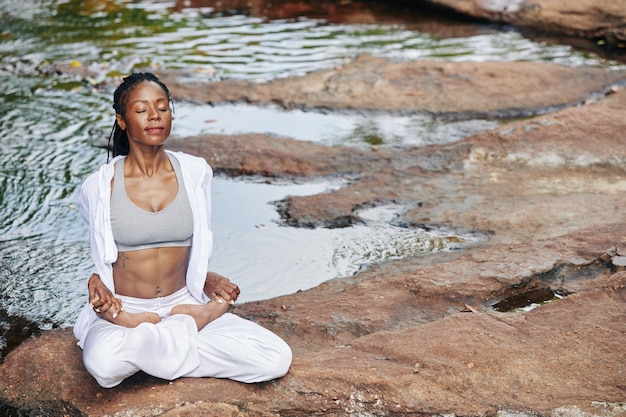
[(228, 347)]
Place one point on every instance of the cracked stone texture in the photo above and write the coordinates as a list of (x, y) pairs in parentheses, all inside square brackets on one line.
[(457, 89)]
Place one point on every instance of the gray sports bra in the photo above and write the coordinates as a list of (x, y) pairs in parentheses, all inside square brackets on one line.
[(135, 228)]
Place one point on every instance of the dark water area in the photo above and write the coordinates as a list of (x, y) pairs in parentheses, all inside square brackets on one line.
[(50, 122), (13, 331)]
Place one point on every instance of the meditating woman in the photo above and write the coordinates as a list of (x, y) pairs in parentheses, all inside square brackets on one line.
[(153, 306)]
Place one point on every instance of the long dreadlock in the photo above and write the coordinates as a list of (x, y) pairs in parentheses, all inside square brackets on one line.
[(120, 99)]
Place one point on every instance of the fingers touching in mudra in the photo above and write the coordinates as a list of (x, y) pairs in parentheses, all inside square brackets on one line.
[(217, 287), (220, 288)]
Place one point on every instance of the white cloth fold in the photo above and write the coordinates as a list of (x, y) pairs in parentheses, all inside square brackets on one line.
[(228, 347)]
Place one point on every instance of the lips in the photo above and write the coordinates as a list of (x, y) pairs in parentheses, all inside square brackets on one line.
[(155, 129)]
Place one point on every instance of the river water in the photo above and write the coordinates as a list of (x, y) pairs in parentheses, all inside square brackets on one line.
[(49, 123)]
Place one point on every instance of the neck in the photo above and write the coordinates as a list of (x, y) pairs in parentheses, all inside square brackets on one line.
[(147, 162)]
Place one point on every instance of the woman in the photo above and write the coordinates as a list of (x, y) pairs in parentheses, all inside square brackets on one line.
[(153, 306)]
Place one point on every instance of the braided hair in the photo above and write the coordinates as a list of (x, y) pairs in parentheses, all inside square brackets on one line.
[(120, 99)]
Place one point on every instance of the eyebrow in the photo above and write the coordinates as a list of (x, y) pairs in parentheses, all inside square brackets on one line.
[(146, 101)]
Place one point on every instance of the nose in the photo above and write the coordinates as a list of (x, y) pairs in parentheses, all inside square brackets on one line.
[(154, 114)]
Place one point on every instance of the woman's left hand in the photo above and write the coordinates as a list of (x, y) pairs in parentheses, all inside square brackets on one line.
[(220, 288), (101, 298)]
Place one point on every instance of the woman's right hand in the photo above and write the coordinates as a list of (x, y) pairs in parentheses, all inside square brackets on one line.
[(101, 298)]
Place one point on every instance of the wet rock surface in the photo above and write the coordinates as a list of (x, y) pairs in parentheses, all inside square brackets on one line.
[(583, 18), (428, 335), (458, 90), (412, 337)]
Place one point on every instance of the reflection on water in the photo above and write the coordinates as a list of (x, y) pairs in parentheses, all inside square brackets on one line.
[(346, 128), (49, 121)]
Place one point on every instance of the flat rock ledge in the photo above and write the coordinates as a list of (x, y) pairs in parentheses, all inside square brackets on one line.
[(456, 90), (591, 19), (413, 337)]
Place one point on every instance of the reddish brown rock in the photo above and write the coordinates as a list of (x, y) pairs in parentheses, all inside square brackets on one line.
[(398, 339), (513, 181), (460, 89), (584, 18)]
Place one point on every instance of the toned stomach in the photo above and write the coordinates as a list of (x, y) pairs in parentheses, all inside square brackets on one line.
[(151, 273)]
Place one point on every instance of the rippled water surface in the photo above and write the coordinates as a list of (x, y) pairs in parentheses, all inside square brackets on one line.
[(49, 122)]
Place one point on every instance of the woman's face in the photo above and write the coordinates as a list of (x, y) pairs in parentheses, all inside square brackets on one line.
[(148, 117)]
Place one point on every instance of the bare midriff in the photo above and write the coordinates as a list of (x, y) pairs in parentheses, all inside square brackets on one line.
[(151, 273)]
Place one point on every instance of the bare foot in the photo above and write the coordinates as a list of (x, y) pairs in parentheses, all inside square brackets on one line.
[(131, 319), (203, 314)]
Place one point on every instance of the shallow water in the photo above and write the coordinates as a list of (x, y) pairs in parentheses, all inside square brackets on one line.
[(340, 128), (49, 123)]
